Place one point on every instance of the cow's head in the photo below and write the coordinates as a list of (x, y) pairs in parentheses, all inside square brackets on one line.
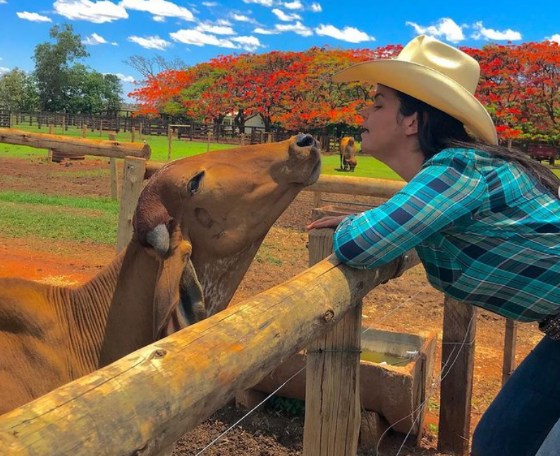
[(204, 217)]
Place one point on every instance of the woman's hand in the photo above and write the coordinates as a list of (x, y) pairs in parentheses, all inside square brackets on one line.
[(330, 221)]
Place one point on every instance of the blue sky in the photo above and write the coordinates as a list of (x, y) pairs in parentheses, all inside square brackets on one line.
[(196, 31)]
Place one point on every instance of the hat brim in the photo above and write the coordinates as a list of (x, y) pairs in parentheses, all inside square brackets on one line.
[(429, 86)]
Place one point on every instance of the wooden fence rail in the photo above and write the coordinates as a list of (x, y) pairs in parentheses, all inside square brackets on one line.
[(145, 401), (75, 146)]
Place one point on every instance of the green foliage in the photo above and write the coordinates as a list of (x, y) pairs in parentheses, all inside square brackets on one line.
[(18, 91), (90, 91), (55, 217), (286, 406), (66, 86)]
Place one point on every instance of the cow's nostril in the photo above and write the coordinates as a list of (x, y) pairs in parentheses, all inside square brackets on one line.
[(304, 140)]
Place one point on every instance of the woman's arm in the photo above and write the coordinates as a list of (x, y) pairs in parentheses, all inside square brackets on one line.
[(433, 200)]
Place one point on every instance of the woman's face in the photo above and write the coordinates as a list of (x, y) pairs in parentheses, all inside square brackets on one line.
[(384, 131)]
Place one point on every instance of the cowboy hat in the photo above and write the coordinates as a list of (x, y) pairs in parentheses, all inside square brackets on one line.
[(435, 73)]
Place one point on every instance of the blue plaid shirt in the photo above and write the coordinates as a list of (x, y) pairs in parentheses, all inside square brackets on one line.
[(487, 233)]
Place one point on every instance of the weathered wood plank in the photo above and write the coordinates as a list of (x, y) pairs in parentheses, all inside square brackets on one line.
[(145, 401), (132, 184), (510, 343), (459, 331), (332, 396), (75, 146)]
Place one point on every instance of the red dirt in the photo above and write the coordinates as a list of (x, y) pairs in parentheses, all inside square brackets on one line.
[(407, 304)]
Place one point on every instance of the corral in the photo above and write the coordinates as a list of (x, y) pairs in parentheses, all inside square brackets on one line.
[(282, 256)]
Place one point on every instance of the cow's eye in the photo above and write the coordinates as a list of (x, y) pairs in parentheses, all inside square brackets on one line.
[(195, 183)]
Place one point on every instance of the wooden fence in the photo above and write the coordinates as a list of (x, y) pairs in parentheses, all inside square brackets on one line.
[(179, 381), (141, 125)]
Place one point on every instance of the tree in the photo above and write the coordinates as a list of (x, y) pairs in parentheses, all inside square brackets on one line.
[(92, 92), (151, 67), (519, 87), (52, 67), (18, 91), (65, 85)]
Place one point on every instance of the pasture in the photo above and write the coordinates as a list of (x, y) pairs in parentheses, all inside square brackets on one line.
[(41, 238)]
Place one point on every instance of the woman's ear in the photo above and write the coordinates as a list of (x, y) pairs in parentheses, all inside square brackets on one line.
[(411, 124)]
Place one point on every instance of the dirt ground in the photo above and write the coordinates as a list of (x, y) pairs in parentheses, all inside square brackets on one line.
[(406, 304)]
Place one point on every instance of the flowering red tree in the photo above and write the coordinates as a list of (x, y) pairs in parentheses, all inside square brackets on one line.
[(519, 87)]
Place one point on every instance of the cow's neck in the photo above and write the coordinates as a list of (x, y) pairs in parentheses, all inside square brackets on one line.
[(220, 277), (115, 309)]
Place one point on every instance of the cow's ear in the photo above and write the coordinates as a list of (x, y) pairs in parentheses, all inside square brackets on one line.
[(167, 296)]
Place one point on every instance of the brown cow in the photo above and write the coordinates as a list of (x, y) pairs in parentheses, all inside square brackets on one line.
[(197, 226), (348, 160)]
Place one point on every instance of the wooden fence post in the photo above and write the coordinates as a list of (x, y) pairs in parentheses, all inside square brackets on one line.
[(132, 184), (50, 152), (169, 142), (332, 395), (510, 339), (457, 361), (114, 172)]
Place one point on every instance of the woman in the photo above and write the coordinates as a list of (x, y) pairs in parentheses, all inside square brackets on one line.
[(484, 220)]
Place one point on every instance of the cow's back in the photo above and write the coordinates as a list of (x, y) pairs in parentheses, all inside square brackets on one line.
[(29, 366)]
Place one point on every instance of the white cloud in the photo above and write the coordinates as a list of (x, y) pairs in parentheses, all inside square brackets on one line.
[(97, 12), (316, 8), (215, 29), (124, 78), (33, 17), (349, 34), (4, 70), (491, 34), (298, 28), (2, 2), (263, 31), (445, 27), (241, 18), (159, 8), (150, 42), (285, 17), (268, 3), (248, 43), (295, 5), (197, 38), (555, 37), (94, 39)]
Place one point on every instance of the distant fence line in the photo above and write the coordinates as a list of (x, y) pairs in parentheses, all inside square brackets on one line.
[(193, 131)]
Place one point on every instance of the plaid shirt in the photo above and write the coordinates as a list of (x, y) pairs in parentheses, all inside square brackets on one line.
[(486, 232)]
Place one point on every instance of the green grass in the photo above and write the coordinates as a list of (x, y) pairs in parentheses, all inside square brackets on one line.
[(367, 167), (52, 217)]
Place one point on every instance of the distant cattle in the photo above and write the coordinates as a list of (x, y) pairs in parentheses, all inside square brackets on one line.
[(348, 160)]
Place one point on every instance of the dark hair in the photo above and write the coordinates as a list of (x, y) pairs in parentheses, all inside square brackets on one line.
[(437, 130)]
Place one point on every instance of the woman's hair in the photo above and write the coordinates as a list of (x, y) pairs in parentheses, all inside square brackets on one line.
[(438, 130)]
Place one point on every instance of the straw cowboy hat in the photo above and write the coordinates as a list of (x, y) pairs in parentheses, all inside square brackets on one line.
[(435, 73)]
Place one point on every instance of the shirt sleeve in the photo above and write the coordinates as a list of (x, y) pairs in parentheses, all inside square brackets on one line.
[(433, 200)]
